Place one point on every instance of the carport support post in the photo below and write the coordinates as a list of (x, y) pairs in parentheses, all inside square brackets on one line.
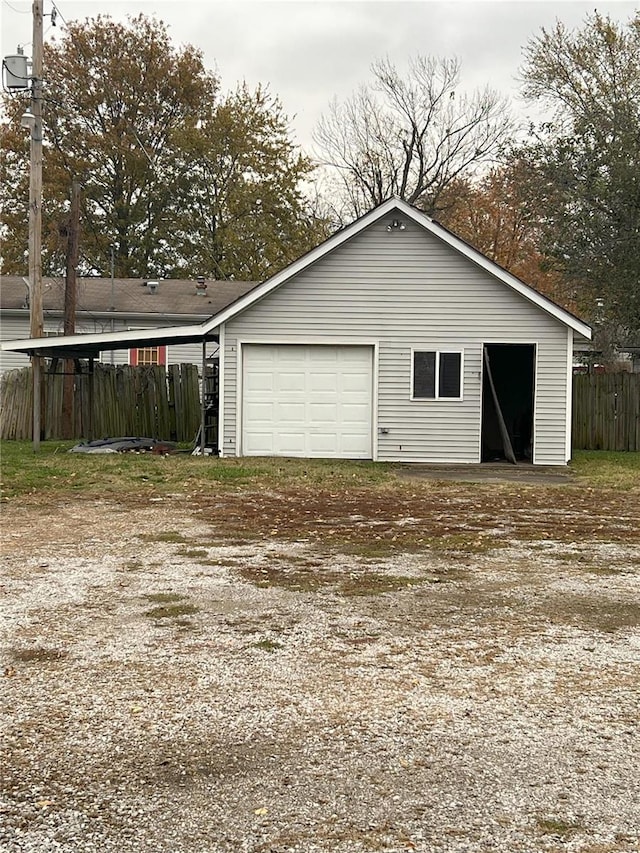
[(91, 400), (36, 367), (203, 441)]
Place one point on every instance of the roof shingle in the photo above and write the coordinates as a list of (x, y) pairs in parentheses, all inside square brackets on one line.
[(127, 296)]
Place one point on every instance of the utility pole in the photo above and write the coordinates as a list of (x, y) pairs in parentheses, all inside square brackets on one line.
[(70, 295), (35, 217)]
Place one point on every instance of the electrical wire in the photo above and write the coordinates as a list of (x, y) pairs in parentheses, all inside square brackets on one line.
[(17, 11)]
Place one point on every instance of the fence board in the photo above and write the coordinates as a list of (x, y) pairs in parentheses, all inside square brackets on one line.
[(127, 401), (606, 411)]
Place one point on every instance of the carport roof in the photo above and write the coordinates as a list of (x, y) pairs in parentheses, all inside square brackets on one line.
[(90, 346)]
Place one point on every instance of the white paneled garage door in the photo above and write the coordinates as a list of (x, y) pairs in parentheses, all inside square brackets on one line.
[(310, 401)]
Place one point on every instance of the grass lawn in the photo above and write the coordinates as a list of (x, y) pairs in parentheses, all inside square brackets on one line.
[(607, 468), (53, 471)]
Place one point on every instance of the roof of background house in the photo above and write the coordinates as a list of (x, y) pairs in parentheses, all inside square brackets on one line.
[(128, 295)]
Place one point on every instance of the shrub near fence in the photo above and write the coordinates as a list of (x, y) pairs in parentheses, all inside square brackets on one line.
[(606, 411), (140, 401)]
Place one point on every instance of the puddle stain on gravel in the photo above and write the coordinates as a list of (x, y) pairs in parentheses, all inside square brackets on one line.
[(170, 605), (171, 611), (38, 654), (345, 583)]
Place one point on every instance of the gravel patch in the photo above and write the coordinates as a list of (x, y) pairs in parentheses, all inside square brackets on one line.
[(169, 691)]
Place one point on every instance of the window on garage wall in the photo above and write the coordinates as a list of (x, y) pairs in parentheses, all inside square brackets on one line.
[(436, 375), (146, 356)]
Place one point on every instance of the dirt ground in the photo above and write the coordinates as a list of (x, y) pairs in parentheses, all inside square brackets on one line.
[(433, 666)]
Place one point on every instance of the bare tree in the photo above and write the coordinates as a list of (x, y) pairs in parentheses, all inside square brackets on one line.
[(407, 135)]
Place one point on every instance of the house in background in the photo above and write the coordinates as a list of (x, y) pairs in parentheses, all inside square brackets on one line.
[(106, 305), (393, 340)]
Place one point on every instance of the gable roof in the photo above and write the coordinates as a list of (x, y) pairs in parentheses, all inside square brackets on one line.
[(96, 343), (387, 208)]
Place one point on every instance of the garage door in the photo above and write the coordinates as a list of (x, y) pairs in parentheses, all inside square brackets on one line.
[(309, 401)]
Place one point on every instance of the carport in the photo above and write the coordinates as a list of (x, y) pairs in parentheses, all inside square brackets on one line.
[(74, 348)]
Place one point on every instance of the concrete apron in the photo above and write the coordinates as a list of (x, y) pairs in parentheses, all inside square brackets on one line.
[(489, 472)]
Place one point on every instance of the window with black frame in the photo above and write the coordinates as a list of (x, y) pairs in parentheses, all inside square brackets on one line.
[(437, 375)]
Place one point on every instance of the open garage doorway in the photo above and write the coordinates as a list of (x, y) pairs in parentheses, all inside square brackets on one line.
[(507, 402)]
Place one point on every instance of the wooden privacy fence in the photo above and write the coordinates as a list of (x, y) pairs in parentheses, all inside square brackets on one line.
[(164, 403), (154, 402), (606, 411)]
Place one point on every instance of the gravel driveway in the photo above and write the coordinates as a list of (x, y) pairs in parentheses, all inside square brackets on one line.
[(186, 675)]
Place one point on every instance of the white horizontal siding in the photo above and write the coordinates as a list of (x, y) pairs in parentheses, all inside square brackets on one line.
[(14, 327), (408, 290)]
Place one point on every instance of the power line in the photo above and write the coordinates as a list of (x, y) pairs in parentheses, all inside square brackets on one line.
[(17, 11), (55, 14)]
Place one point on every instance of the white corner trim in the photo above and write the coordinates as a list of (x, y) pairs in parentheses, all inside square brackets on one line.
[(221, 433), (569, 396), (375, 376), (239, 404), (534, 414)]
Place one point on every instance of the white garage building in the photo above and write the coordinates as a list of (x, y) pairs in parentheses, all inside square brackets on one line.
[(395, 341)]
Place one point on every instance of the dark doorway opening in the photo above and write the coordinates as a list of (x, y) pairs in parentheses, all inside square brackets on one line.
[(509, 371)]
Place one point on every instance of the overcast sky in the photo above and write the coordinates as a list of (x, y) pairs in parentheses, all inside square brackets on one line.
[(309, 51)]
